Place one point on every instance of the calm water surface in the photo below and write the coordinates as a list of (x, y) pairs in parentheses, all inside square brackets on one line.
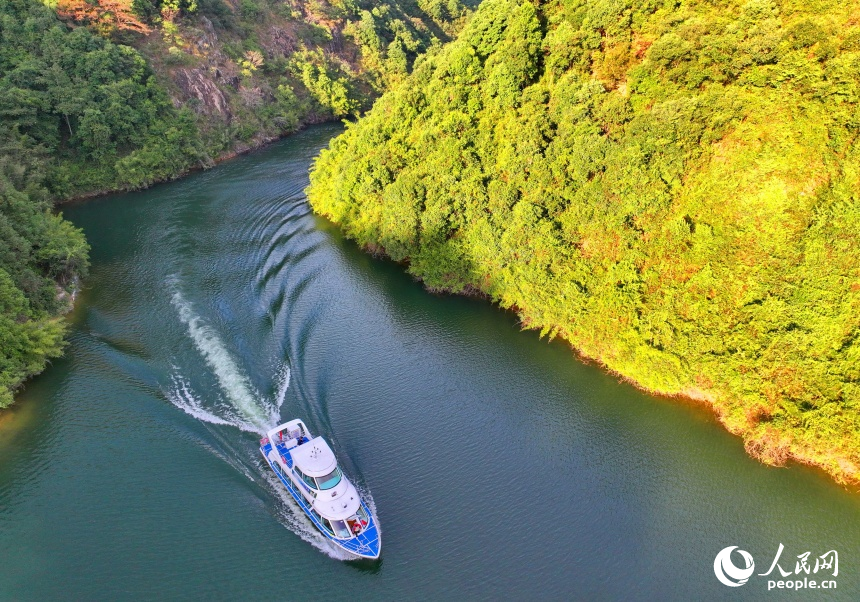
[(500, 466)]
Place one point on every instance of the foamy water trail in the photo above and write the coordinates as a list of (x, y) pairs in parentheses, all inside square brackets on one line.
[(283, 378), (183, 397), (244, 408), (253, 410)]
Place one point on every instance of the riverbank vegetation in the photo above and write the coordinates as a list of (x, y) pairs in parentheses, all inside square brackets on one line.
[(119, 94), (248, 71), (671, 187)]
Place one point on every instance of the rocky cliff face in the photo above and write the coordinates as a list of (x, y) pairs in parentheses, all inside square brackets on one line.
[(252, 71), (198, 86)]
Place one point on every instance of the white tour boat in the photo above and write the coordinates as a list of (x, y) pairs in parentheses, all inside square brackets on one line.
[(307, 467)]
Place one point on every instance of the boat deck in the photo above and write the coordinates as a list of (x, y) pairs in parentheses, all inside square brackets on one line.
[(281, 448)]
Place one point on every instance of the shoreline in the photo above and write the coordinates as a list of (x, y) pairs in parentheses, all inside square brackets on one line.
[(711, 402), (227, 156), (72, 291), (848, 476)]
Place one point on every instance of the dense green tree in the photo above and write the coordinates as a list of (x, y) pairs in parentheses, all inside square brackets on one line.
[(671, 187), (78, 113), (87, 103), (41, 257)]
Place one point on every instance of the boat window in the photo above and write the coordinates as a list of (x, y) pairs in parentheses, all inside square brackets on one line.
[(308, 480), (323, 521), (329, 480), (340, 528), (327, 526)]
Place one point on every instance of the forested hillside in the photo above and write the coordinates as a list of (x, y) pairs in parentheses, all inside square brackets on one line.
[(114, 94), (245, 72), (670, 186), (90, 109)]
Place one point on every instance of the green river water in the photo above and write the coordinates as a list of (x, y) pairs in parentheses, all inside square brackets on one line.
[(500, 467)]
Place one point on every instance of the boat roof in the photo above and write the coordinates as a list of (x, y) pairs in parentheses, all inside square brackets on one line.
[(315, 458), (338, 509)]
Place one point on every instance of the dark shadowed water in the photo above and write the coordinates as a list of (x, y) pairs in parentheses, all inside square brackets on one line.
[(499, 465)]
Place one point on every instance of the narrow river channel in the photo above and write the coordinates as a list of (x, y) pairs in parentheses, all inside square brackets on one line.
[(500, 466)]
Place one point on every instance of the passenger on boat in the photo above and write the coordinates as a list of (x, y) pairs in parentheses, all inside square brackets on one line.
[(357, 526)]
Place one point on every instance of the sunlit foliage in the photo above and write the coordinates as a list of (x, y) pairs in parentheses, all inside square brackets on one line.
[(670, 186), (83, 111), (88, 104)]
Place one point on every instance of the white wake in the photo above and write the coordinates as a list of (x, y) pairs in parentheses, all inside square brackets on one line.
[(183, 397), (283, 377), (246, 408)]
